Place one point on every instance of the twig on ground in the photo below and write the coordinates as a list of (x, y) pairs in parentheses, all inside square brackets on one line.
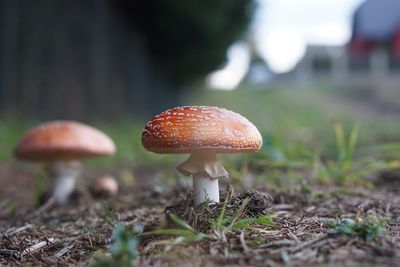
[(38, 246), (308, 242), (15, 230), (243, 243), (64, 250)]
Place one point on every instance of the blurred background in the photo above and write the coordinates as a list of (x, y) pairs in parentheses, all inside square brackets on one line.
[(290, 66), (111, 58)]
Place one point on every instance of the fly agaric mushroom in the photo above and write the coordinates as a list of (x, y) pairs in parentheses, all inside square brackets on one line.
[(203, 132), (61, 145)]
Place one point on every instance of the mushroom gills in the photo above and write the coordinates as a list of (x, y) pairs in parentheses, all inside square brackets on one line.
[(203, 163)]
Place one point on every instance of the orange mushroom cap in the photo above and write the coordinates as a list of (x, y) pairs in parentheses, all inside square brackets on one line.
[(200, 128), (63, 140)]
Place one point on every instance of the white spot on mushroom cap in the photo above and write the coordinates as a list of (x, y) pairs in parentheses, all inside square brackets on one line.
[(227, 131)]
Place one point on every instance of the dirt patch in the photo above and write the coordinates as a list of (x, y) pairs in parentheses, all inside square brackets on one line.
[(298, 233), (301, 234), (17, 185)]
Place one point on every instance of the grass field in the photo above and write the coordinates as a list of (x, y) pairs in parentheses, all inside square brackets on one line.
[(301, 116)]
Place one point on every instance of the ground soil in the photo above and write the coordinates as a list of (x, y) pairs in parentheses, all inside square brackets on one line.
[(301, 236)]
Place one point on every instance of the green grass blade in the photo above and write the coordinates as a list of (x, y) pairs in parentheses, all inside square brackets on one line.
[(174, 232), (239, 213), (340, 139), (220, 220), (243, 223), (181, 223), (353, 140), (265, 220)]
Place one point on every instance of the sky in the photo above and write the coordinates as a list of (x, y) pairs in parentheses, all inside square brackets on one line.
[(281, 30)]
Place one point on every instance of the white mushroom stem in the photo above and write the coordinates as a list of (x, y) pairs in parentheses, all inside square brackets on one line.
[(205, 188), (205, 170), (65, 174)]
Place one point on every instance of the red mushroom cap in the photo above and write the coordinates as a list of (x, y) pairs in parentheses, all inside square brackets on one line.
[(200, 128), (63, 140)]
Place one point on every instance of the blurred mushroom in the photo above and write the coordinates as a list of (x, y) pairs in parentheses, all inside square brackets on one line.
[(61, 145), (104, 186), (203, 132)]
